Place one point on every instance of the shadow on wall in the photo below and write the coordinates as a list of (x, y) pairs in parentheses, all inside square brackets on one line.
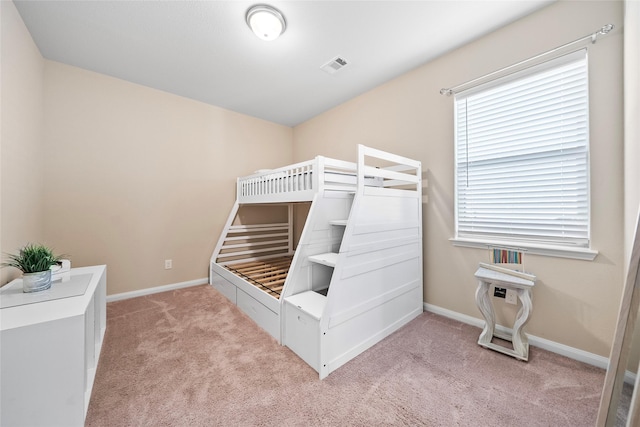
[(425, 187), (575, 317), (441, 203)]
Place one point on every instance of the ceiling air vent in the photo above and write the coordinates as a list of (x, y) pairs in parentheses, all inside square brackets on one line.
[(334, 65)]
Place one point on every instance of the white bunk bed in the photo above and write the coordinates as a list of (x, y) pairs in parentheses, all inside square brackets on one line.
[(356, 274)]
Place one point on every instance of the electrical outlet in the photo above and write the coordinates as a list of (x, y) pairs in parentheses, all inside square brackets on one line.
[(168, 265), (511, 297)]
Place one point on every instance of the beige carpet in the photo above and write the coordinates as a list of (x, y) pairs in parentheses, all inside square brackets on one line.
[(191, 358)]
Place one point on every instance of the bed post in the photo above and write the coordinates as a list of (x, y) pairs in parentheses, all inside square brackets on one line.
[(318, 182), (290, 232)]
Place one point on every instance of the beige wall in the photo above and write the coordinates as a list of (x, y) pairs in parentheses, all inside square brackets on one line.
[(575, 302), (21, 150), (631, 114), (136, 176), (632, 140), (120, 174)]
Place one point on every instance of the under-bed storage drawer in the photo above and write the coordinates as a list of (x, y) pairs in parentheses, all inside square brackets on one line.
[(225, 287), (265, 318)]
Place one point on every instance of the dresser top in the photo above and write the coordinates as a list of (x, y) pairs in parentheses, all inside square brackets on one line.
[(66, 298)]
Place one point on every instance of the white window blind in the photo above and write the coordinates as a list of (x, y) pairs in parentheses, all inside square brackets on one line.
[(522, 165)]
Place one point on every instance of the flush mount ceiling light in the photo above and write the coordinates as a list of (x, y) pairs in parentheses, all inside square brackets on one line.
[(266, 21)]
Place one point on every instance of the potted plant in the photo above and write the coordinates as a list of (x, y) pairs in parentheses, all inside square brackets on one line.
[(35, 261)]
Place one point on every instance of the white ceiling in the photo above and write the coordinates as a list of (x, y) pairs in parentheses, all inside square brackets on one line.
[(204, 50)]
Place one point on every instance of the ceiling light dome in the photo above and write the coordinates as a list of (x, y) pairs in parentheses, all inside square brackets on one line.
[(266, 21)]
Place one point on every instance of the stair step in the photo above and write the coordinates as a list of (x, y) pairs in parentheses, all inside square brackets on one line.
[(329, 259), (310, 302), (341, 222)]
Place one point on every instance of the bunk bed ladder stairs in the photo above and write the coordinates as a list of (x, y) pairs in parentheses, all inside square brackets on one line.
[(305, 309), (375, 264)]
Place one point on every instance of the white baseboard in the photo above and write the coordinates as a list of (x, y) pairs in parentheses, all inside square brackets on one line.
[(157, 289), (552, 346)]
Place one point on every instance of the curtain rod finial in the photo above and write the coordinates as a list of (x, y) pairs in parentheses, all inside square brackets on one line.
[(601, 32), (606, 29)]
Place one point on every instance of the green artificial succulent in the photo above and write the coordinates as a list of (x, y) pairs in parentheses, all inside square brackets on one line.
[(32, 258)]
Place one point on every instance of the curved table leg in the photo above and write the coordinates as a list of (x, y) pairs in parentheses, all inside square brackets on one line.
[(483, 300), (520, 340)]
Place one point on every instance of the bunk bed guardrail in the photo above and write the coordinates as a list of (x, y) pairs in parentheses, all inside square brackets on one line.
[(297, 182), (396, 175)]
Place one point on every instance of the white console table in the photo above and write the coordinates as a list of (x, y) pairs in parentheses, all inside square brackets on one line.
[(49, 349), (521, 283)]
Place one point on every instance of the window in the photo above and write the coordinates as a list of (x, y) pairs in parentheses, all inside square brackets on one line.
[(522, 159)]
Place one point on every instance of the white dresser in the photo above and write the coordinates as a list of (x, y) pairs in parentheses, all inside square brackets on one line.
[(50, 344)]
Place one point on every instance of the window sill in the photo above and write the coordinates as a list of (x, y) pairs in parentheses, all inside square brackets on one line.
[(531, 248)]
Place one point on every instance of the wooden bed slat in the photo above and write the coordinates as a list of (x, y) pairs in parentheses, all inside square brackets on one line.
[(267, 275), (271, 261), (247, 264), (274, 282), (262, 264), (262, 269)]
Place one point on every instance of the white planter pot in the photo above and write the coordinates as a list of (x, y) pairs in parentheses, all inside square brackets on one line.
[(35, 282)]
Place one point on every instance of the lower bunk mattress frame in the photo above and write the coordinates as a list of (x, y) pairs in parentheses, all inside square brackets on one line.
[(255, 287)]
